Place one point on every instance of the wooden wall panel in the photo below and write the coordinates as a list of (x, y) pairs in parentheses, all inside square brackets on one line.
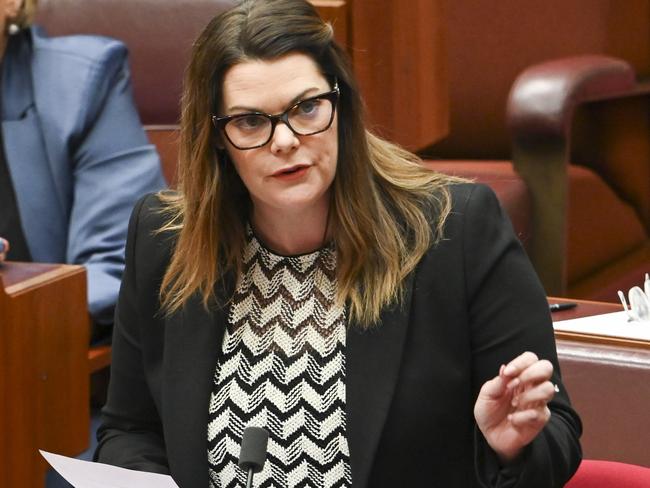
[(398, 53), (628, 33)]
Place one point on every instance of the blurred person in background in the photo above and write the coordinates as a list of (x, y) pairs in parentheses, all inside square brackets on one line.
[(74, 157)]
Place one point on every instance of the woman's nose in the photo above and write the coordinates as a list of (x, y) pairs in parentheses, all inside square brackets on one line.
[(283, 138)]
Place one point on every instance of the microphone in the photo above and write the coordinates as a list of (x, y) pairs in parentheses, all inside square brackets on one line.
[(253, 451)]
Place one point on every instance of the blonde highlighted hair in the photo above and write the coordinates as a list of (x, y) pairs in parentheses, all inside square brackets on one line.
[(386, 209)]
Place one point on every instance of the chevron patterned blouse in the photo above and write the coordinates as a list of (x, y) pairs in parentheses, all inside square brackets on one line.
[(282, 367)]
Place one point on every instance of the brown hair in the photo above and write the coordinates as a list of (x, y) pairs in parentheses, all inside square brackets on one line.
[(381, 229)]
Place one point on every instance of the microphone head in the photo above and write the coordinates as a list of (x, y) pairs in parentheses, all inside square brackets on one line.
[(253, 449)]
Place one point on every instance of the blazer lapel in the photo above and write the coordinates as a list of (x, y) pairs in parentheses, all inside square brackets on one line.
[(373, 361), (193, 338)]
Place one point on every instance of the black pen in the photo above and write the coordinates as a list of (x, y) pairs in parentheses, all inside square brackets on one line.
[(557, 307)]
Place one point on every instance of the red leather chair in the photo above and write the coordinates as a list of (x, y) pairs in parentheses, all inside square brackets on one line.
[(577, 130), (608, 474), (591, 193)]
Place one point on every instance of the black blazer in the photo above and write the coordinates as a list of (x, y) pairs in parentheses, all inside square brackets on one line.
[(473, 303)]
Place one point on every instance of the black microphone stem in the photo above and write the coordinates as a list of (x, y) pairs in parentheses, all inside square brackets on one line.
[(252, 453)]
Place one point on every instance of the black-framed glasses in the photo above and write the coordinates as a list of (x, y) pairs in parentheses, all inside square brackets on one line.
[(305, 118)]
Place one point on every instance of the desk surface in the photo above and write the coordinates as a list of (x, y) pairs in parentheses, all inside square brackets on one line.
[(16, 277), (585, 309)]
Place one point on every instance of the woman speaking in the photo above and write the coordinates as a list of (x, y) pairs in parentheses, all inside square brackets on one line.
[(379, 320)]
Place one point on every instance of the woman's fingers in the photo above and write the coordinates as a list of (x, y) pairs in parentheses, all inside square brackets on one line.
[(530, 418), (519, 364), (540, 394), (529, 381), (537, 372), (494, 388), (530, 372)]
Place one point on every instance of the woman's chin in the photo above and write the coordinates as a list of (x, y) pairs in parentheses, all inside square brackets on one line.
[(295, 202)]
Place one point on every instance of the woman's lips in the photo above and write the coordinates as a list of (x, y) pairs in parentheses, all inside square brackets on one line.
[(292, 172)]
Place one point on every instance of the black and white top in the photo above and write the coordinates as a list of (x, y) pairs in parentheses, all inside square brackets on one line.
[(282, 367)]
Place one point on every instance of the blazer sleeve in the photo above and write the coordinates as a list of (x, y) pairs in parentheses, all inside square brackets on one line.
[(131, 434), (508, 314), (113, 165)]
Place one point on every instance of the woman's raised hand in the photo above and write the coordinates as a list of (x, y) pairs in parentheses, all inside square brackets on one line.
[(511, 409)]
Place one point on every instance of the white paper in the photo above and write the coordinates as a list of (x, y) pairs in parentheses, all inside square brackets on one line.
[(84, 474), (609, 324)]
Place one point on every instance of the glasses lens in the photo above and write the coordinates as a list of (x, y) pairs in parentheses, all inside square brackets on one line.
[(249, 130), (311, 116)]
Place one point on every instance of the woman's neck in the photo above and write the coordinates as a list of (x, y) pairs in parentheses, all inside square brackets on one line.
[(290, 233)]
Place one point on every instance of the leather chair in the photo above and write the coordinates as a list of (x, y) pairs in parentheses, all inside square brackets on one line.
[(591, 218), (577, 130), (607, 474)]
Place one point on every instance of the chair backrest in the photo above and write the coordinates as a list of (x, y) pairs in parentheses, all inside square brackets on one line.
[(607, 474)]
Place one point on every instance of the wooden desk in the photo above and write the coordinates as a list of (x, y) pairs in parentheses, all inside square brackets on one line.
[(609, 385), (44, 334)]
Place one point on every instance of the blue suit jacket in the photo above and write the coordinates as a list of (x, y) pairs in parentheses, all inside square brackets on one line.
[(76, 152)]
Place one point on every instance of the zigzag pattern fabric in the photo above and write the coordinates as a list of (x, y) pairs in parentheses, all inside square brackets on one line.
[(282, 367)]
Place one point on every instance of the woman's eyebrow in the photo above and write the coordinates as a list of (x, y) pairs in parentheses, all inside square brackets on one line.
[(293, 101)]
